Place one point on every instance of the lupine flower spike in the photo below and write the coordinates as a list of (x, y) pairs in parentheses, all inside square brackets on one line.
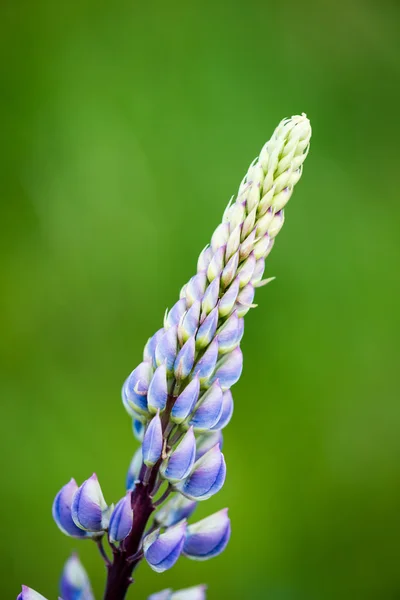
[(179, 397)]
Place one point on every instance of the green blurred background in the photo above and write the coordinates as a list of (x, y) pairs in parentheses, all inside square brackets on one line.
[(126, 128)]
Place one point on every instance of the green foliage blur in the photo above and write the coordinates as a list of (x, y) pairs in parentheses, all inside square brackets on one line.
[(126, 128)]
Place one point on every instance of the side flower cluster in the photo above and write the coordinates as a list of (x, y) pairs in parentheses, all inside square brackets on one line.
[(179, 397)]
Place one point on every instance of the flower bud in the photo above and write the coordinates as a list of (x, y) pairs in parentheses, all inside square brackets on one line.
[(195, 288), (121, 520), (258, 272), (229, 334), (248, 224), (227, 411), (206, 441), (229, 369), (162, 550), (207, 476), (247, 246), (175, 510), (229, 272), (236, 214), (210, 298), (185, 359), (245, 300), (89, 510), (75, 584), (209, 537), (228, 300), (134, 391), (262, 246), (204, 259), (234, 241), (158, 390), (173, 317), (207, 329), (276, 224), (180, 462), (246, 270), (189, 323), (282, 198), (209, 409), (62, 511), (166, 348), (220, 236), (153, 441), (185, 401), (216, 265), (206, 365), (29, 594), (134, 469)]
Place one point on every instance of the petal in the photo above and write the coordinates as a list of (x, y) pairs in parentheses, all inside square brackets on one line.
[(216, 265), (209, 409), (206, 478), (62, 511), (228, 300), (150, 347), (153, 441), (229, 368), (89, 509), (206, 441), (135, 387), (158, 390), (197, 592), (207, 329), (175, 314), (211, 296), (134, 469), (204, 259), (29, 594), (195, 288), (209, 537), (229, 334), (162, 550), (185, 359), (189, 323), (185, 402), (121, 519), (167, 348), (206, 365), (181, 461), (227, 411)]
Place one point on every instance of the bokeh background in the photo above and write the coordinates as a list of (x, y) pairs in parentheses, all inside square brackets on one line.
[(126, 128)]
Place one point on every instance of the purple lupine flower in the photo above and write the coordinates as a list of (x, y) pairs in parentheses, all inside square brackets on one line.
[(188, 368), (209, 537), (121, 520), (75, 584), (162, 550), (62, 511), (89, 510), (206, 478)]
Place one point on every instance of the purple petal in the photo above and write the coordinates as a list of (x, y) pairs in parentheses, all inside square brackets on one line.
[(247, 246), (89, 509), (158, 390), (185, 359), (138, 429), (220, 236), (163, 595), (228, 300), (245, 300), (121, 520), (197, 592), (207, 329), (209, 537), (209, 409), (246, 270), (167, 348), (152, 441), (229, 334), (62, 511), (189, 323), (204, 259), (229, 272), (211, 296), (29, 594), (135, 387), (207, 477), (163, 550), (227, 411), (185, 402), (217, 264), (181, 461), (229, 368), (258, 271), (206, 365), (195, 288), (175, 314)]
